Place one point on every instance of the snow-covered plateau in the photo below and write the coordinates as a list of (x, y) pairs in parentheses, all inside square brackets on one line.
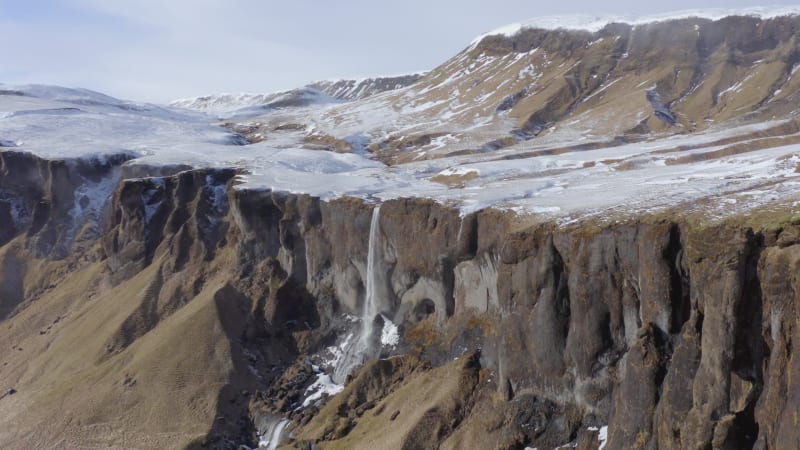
[(483, 129), (62, 123)]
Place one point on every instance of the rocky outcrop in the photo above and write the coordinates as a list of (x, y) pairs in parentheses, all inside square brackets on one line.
[(673, 332)]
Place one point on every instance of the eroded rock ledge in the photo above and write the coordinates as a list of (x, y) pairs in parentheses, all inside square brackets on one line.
[(672, 331)]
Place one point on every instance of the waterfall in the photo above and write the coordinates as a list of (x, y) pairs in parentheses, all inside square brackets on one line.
[(272, 434), (358, 350), (460, 230), (371, 301)]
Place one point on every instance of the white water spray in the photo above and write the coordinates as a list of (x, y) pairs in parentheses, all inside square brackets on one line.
[(460, 230), (371, 300), (358, 350), (273, 435)]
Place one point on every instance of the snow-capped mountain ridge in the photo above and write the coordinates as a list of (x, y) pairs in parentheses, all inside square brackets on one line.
[(58, 93), (245, 104), (595, 23), (360, 88), (320, 92)]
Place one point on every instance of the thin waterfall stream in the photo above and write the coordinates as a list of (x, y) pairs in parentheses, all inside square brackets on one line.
[(358, 348), (273, 434)]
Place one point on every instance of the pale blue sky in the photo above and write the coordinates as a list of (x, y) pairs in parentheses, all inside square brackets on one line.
[(157, 50)]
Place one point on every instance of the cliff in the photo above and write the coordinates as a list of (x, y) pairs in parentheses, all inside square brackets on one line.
[(196, 306)]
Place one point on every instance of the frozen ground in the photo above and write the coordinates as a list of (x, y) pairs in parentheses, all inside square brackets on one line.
[(67, 123)]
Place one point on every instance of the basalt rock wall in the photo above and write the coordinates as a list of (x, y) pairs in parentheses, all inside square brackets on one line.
[(674, 333)]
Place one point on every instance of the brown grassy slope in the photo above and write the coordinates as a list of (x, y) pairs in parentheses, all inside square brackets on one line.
[(162, 391), (424, 409)]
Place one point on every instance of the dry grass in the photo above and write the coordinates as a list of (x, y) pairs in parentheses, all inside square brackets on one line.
[(160, 392), (395, 417)]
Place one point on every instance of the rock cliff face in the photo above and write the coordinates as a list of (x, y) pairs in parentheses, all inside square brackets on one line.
[(180, 310)]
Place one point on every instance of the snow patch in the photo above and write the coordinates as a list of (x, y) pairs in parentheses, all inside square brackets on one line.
[(459, 171), (390, 335), (152, 198), (218, 194), (272, 435), (89, 200), (322, 386), (359, 143), (602, 435), (336, 352)]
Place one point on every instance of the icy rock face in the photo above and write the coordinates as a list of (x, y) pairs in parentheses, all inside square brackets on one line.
[(149, 210), (56, 203)]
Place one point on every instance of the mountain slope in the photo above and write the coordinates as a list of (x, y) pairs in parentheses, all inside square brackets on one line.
[(621, 83), (649, 113)]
